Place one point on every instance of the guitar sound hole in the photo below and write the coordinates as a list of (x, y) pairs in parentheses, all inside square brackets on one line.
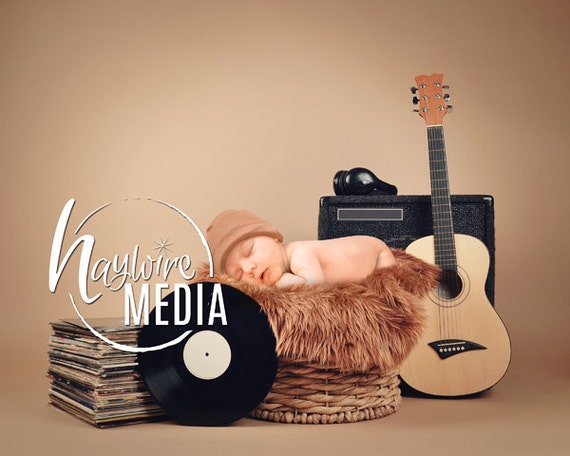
[(450, 285)]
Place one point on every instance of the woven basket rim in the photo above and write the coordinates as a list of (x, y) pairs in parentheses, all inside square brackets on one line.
[(312, 393)]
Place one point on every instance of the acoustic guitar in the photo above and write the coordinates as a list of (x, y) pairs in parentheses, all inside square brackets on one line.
[(465, 347)]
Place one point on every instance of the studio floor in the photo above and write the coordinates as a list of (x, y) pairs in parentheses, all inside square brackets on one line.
[(527, 413)]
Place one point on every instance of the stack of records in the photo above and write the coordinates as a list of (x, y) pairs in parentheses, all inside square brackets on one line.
[(94, 381)]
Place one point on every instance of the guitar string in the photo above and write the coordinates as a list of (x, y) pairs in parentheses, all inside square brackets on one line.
[(433, 174), (449, 324), (443, 235), (454, 313)]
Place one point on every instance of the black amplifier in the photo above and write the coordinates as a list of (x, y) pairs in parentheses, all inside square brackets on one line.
[(400, 220)]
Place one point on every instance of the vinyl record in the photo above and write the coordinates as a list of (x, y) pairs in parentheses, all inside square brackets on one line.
[(223, 369)]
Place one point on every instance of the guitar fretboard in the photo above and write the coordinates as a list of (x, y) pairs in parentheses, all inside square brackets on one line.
[(444, 239)]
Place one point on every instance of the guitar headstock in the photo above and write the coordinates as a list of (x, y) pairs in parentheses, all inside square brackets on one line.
[(431, 99)]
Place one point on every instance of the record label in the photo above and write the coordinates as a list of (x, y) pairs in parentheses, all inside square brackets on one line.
[(207, 354), (226, 365)]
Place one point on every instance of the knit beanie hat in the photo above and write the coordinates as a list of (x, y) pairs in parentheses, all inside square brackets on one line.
[(231, 227)]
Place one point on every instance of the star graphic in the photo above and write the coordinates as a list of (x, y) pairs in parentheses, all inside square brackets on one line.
[(163, 246)]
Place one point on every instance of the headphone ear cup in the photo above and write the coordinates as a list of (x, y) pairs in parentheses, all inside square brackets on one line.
[(360, 181), (338, 183)]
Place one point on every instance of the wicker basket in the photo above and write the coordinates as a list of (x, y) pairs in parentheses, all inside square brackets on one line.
[(313, 394)]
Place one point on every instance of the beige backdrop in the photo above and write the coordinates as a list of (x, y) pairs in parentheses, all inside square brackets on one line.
[(256, 104)]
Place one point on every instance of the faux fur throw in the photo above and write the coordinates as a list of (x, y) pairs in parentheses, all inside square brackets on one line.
[(351, 326)]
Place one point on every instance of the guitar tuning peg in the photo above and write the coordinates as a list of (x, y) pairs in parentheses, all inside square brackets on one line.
[(415, 100), (416, 110), (413, 90), (446, 97), (445, 87), (449, 108)]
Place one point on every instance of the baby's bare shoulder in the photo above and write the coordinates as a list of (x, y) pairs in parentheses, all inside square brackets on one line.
[(303, 248)]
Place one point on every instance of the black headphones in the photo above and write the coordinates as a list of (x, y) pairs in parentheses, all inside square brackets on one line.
[(361, 181)]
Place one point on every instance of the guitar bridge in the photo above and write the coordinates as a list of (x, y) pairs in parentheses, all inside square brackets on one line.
[(449, 347)]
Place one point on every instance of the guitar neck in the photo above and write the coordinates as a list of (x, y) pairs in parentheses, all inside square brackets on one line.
[(444, 238)]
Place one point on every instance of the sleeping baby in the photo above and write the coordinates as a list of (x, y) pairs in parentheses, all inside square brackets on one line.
[(250, 249)]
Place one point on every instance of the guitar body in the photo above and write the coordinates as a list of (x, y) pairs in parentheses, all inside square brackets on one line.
[(470, 348)]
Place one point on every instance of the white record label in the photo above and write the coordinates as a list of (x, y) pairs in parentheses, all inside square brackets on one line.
[(207, 355)]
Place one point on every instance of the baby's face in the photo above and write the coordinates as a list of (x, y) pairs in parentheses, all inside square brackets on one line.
[(258, 260)]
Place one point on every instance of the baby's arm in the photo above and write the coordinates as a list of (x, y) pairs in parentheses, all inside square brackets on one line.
[(305, 267), (288, 279)]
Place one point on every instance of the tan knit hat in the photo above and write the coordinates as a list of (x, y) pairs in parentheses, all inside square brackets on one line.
[(232, 226)]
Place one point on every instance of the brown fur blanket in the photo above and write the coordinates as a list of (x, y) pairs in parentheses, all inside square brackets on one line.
[(352, 326)]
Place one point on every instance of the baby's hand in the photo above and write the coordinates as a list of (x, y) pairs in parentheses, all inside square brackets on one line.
[(288, 279)]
